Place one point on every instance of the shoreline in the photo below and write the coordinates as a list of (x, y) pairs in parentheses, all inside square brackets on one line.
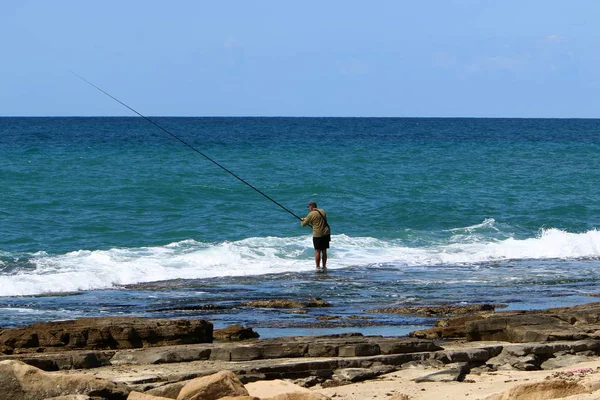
[(473, 355)]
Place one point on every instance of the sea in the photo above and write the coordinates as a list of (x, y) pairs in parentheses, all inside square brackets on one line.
[(177, 217)]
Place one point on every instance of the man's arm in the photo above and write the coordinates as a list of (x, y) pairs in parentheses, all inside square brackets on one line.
[(306, 221)]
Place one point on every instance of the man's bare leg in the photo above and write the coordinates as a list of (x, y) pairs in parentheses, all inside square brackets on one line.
[(324, 258), (318, 259)]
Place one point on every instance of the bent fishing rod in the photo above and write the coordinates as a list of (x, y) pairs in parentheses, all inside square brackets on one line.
[(185, 143)]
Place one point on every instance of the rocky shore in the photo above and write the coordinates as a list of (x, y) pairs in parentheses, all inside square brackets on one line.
[(552, 353)]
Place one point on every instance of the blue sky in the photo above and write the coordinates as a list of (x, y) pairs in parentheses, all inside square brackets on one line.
[(444, 58)]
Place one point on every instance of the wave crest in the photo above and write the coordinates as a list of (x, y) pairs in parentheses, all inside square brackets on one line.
[(189, 259)]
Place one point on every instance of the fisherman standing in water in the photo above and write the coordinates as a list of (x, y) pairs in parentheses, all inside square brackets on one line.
[(317, 218)]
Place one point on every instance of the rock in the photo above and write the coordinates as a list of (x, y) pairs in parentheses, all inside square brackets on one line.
[(309, 381), (406, 345), (455, 373), (201, 307), (234, 333), (551, 389), (169, 391), (89, 359), (239, 398), (19, 381), (269, 388), (316, 302), (5, 349), (519, 328), (285, 303), (242, 353), (536, 356), (211, 387), (74, 397), (509, 361), (359, 349), (468, 355), (55, 361), (299, 396), (105, 333), (322, 349), (274, 303), (353, 374), (432, 362), (284, 349), (450, 328), (569, 323), (328, 318), (144, 396), (437, 311), (564, 360), (161, 355)]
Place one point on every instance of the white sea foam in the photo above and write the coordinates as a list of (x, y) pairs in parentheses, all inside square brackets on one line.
[(89, 270), (487, 223)]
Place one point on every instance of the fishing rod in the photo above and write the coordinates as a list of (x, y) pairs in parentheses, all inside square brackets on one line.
[(185, 143)]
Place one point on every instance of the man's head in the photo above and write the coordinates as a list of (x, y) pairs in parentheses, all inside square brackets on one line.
[(312, 205)]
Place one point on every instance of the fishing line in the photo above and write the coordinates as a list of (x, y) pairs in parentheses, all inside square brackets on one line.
[(185, 143)]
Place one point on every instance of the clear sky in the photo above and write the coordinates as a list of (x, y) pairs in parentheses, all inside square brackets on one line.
[(438, 58)]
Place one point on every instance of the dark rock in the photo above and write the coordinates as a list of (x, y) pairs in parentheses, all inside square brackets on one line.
[(202, 307), (508, 361), (316, 302), (401, 346), (359, 349), (105, 333), (432, 362), (246, 353), (221, 353), (382, 369), (320, 349), (450, 328), (529, 327), (436, 311), (247, 378), (309, 381), (286, 303), (536, 356), (161, 355), (328, 317), (285, 349), (66, 360), (89, 359), (234, 333), (468, 355), (558, 324), (323, 373)]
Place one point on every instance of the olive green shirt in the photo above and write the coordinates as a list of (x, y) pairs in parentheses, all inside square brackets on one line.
[(320, 227)]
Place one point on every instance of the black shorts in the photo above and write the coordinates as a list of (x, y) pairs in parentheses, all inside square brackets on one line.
[(321, 243)]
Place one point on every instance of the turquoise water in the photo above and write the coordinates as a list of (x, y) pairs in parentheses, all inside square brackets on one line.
[(106, 216)]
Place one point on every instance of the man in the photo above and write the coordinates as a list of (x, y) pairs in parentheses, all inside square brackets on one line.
[(317, 218)]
